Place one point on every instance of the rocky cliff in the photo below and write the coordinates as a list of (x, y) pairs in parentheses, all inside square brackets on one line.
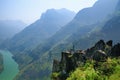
[(72, 59)]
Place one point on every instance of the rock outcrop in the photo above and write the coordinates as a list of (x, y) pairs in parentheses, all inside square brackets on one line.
[(70, 60), (99, 55), (115, 51), (100, 48)]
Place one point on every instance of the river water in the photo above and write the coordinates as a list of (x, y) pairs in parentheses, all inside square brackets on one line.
[(10, 66)]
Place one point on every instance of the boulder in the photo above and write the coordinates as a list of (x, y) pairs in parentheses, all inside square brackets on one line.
[(100, 45), (99, 56)]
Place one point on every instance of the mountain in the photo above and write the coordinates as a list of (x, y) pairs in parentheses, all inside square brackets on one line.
[(88, 15), (8, 28), (108, 31), (49, 23), (81, 25), (111, 29), (39, 60)]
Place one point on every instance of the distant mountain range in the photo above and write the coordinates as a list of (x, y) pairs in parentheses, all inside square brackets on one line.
[(49, 23), (8, 28), (80, 27)]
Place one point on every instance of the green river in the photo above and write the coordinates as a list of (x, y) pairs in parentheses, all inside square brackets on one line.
[(10, 66)]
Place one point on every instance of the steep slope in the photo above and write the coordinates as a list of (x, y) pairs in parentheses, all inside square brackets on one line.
[(81, 24), (49, 23), (102, 8), (118, 7), (41, 57), (89, 16), (8, 28), (111, 29)]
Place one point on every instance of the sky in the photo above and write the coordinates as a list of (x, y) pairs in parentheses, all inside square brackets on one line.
[(29, 11)]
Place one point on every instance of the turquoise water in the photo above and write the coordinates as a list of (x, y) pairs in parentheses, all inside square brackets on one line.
[(10, 66)]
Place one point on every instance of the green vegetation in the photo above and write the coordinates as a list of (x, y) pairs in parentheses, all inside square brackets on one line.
[(1, 63), (109, 70), (55, 75)]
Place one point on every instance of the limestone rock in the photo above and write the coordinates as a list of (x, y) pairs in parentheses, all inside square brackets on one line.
[(115, 51), (109, 43), (99, 55), (72, 59), (100, 45), (56, 67)]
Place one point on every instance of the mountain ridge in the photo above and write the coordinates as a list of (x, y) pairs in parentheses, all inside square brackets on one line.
[(49, 23), (8, 28)]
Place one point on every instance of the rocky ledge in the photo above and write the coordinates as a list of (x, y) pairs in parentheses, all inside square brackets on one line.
[(72, 59)]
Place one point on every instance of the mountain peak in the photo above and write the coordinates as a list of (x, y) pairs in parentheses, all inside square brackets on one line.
[(49, 23), (52, 13), (59, 10), (102, 8)]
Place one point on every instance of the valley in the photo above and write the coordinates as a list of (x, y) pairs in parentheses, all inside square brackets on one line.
[(10, 66), (87, 38)]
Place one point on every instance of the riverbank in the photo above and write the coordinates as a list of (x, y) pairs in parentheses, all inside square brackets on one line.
[(10, 66)]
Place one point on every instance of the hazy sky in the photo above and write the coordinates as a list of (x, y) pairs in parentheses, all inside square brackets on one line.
[(30, 10)]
